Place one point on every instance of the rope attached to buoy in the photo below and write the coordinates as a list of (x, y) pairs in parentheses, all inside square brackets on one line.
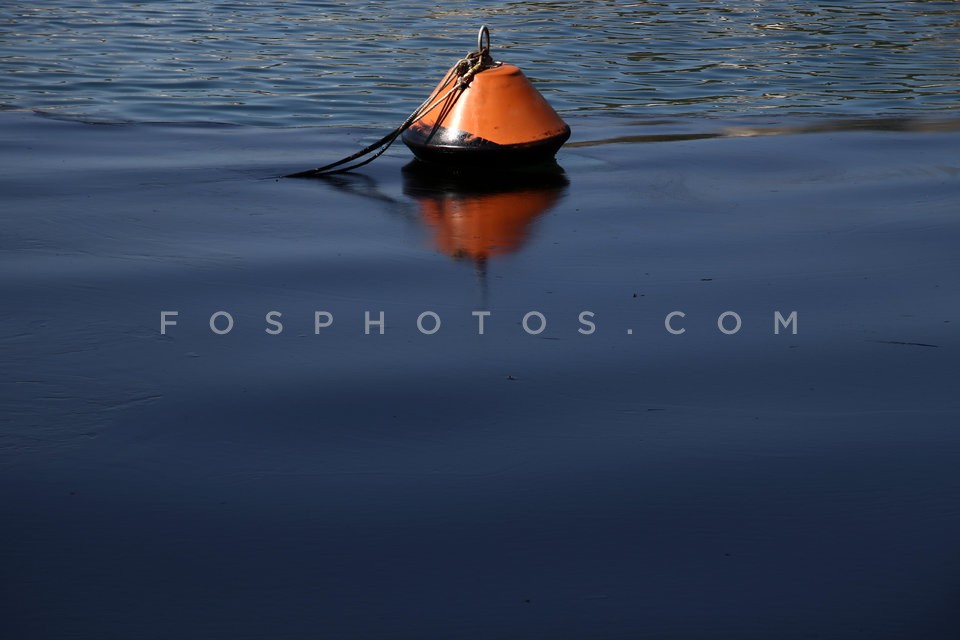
[(465, 70)]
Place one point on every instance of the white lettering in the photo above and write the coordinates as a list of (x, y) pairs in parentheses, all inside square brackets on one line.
[(436, 323), (591, 327), (480, 315), (526, 322), (213, 323), (724, 316), (669, 318), (327, 321), (277, 327), (164, 322), (778, 321), (367, 323)]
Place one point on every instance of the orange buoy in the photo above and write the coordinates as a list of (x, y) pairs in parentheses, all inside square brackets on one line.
[(486, 112)]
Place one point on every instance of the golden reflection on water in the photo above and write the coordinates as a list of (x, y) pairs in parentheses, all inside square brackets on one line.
[(477, 217)]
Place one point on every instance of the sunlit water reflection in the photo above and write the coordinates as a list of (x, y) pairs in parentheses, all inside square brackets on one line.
[(292, 64)]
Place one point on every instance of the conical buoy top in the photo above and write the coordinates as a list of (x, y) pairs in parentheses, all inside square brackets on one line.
[(486, 112)]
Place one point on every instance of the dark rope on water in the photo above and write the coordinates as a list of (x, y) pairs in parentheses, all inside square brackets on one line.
[(464, 70)]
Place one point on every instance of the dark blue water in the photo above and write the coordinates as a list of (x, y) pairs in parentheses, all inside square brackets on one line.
[(730, 161)]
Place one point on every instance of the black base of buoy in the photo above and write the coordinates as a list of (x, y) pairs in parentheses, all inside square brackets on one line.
[(459, 149)]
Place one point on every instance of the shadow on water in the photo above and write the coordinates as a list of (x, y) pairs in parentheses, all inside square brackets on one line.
[(357, 184)]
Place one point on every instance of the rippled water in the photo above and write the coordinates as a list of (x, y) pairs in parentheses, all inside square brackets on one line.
[(311, 63)]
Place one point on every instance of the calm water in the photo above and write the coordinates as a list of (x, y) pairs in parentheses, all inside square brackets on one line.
[(338, 63), (741, 157)]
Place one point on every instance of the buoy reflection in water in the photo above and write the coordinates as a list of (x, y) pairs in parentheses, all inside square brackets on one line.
[(477, 215)]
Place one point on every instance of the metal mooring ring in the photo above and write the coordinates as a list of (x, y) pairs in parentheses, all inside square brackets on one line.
[(484, 33)]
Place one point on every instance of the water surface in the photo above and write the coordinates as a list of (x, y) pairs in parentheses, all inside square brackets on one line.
[(337, 63), (731, 157)]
